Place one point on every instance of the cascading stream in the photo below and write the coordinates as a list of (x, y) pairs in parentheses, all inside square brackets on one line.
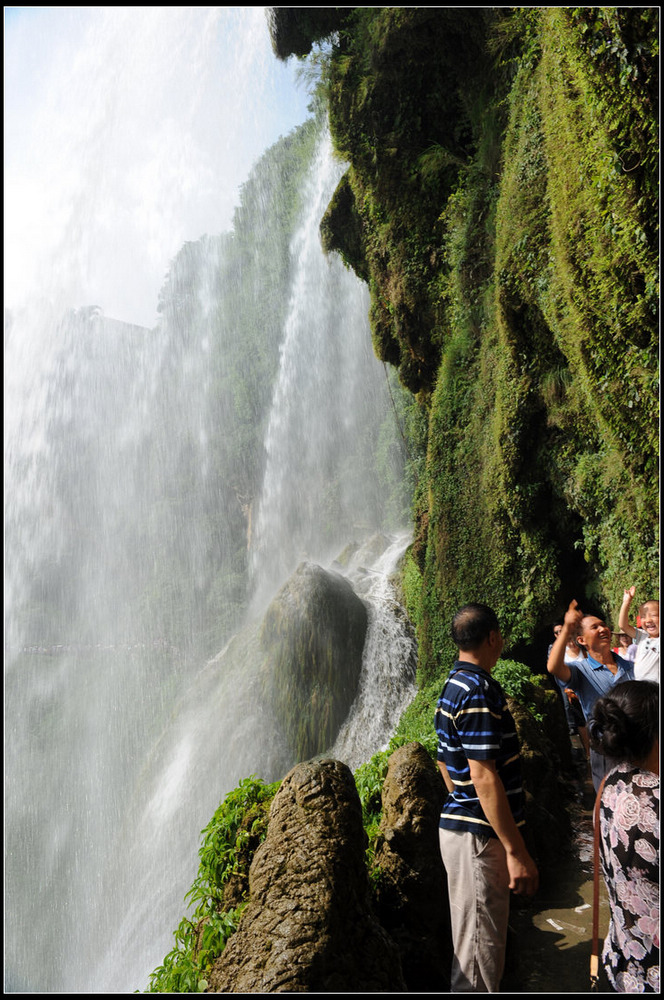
[(387, 681)]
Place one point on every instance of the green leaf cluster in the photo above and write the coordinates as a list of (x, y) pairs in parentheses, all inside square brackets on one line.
[(517, 681), (228, 844)]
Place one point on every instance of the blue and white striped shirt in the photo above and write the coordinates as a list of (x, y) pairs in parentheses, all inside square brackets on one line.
[(473, 722)]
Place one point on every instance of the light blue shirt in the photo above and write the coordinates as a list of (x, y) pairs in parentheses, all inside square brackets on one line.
[(591, 680)]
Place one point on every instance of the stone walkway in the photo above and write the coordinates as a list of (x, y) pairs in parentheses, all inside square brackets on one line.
[(552, 934)]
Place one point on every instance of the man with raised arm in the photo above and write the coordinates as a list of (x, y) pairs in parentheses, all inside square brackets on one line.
[(480, 837), (592, 677)]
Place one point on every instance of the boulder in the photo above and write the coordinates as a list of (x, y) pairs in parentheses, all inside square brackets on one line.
[(293, 30), (308, 926), (411, 898), (312, 639)]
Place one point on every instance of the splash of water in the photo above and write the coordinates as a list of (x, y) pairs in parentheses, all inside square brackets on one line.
[(110, 497), (389, 663)]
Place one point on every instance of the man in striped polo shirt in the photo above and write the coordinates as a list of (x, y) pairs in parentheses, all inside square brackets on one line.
[(480, 842)]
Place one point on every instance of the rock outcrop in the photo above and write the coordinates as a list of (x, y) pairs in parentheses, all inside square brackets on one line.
[(313, 638), (412, 902), (308, 926), (312, 922), (545, 761)]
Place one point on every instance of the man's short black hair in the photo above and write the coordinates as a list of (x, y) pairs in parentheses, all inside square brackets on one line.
[(472, 624)]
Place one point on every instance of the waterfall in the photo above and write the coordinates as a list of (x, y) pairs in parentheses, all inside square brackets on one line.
[(328, 392), (151, 467), (387, 681)]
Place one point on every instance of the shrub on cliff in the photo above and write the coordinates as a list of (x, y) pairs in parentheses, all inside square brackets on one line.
[(220, 889)]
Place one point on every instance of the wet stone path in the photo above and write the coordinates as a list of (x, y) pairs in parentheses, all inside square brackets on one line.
[(551, 936)]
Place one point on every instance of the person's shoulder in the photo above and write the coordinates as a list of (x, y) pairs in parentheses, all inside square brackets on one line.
[(468, 681), (464, 676), (626, 778), (580, 665), (456, 682), (627, 666), (646, 779)]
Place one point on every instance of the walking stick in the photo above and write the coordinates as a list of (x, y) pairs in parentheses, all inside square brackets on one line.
[(594, 952)]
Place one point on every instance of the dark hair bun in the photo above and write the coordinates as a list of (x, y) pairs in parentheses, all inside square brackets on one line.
[(625, 723)]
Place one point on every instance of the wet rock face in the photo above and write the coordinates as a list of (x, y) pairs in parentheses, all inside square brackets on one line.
[(313, 638), (412, 901), (308, 926), (545, 760)]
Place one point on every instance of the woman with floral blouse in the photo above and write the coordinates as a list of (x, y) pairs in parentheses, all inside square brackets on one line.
[(625, 727)]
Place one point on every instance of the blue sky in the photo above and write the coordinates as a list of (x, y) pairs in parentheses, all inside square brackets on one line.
[(129, 130)]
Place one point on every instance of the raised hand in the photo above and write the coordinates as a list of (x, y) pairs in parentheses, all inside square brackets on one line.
[(573, 616)]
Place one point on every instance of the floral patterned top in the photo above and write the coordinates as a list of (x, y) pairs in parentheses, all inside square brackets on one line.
[(629, 827)]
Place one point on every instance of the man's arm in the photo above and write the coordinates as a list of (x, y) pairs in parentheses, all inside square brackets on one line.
[(446, 776), (556, 663), (524, 877), (623, 617)]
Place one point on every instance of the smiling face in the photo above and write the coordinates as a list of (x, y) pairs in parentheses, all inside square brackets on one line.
[(650, 618), (594, 635)]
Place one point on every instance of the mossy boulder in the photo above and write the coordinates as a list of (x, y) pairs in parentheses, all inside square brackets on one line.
[(547, 767), (313, 638), (293, 30), (411, 894), (309, 926)]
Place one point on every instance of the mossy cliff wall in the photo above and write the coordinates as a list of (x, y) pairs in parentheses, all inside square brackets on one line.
[(501, 203)]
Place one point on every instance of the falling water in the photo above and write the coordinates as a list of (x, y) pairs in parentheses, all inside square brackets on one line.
[(122, 735), (329, 394), (387, 681)]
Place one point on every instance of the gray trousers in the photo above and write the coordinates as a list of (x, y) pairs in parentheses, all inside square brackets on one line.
[(478, 885)]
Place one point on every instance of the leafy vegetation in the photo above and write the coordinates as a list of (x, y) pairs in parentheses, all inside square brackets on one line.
[(369, 778), (518, 682), (229, 841)]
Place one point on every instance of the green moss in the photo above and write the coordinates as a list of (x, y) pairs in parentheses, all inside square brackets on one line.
[(504, 203), (399, 114), (519, 683), (341, 228), (416, 723)]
